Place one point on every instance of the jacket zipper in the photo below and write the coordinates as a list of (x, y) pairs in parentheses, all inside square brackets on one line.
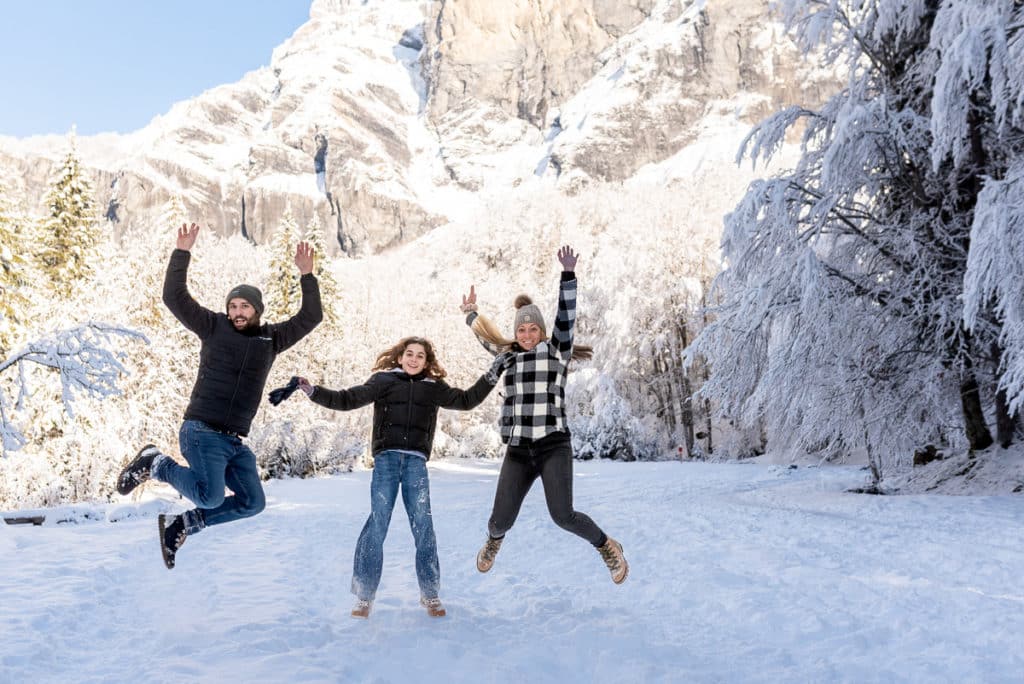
[(408, 417), (238, 382)]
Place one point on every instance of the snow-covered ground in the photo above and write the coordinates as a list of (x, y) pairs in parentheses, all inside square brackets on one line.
[(739, 573)]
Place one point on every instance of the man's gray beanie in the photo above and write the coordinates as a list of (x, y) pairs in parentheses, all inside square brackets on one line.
[(249, 294)]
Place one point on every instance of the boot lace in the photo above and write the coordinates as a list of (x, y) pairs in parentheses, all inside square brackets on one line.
[(175, 539), (612, 555), (490, 549), (179, 540)]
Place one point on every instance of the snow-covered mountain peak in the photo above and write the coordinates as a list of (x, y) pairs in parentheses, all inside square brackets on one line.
[(389, 118)]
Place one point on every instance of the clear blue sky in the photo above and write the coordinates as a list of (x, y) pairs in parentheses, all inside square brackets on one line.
[(112, 65)]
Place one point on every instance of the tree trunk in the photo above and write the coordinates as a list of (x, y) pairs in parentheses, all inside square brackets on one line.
[(707, 425), (873, 462), (659, 387), (688, 435), (1006, 424), (705, 370), (677, 388), (978, 435), (687, 389)]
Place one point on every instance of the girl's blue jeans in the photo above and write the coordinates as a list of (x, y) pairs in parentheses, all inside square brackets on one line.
[(393, 470)]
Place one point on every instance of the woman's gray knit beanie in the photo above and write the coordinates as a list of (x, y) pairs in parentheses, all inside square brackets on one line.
[(527, 312)]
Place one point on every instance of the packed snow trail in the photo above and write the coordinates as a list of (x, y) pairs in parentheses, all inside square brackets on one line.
[(738, 572)]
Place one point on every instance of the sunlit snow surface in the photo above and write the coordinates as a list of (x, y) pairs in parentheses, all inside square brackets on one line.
[(739, 573)]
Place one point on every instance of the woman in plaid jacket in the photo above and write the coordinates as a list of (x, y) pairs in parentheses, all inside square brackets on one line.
[(533, 421)]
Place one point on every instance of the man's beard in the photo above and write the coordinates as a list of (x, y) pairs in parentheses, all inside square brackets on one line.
[(247, 323)]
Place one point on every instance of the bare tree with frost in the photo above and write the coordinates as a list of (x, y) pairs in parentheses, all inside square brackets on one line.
[(83, 362), (872, 295)]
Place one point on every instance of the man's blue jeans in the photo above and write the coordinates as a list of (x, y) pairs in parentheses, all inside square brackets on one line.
[(215, 459), (391, 469)]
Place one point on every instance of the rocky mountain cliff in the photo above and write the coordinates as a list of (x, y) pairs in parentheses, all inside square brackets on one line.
[(387, 118)]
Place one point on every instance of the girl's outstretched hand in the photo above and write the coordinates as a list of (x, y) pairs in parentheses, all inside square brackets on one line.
[(305, 386), (567, 258), (469, 302)]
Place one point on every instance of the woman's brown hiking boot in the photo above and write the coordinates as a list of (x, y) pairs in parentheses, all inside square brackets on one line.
[(485, 559), (611, 554)]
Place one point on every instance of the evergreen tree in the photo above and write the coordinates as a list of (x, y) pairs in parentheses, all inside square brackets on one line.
[(69, 231), (150, 266), (15, 279), (172, 215), (321, 269), (283, 295)]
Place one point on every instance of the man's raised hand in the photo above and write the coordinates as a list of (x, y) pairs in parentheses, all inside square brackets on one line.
[(304, 257), (187, 236)]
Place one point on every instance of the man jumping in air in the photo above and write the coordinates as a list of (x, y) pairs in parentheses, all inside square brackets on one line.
[(234, 360)]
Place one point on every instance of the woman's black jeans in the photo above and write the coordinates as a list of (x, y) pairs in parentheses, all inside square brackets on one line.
[(550, 459)]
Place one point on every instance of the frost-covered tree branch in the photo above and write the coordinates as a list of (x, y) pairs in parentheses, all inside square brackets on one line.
[(83, 360)]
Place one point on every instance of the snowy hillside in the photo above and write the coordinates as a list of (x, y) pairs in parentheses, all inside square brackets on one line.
[(739, 573)]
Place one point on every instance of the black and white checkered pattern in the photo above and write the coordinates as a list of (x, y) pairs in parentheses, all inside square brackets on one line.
[(535, 382)]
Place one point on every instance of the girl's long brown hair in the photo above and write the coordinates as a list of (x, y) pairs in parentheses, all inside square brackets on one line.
[(486, 330), (391, 357)]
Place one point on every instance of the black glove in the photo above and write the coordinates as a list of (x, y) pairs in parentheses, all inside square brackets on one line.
[(501, 363), (281, 393)]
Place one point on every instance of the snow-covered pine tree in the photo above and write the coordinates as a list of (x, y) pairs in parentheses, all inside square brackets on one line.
[(172, 214), (15, 279), (69, 231), (283, 295), (841, 321), (322, 269), (147, 249)]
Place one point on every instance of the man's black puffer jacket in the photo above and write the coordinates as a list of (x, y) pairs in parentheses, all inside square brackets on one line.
[(233, 365), (404, 406)]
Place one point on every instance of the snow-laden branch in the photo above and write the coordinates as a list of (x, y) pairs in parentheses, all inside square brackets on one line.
[(979, 55), (83, 358), (995, 272)]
